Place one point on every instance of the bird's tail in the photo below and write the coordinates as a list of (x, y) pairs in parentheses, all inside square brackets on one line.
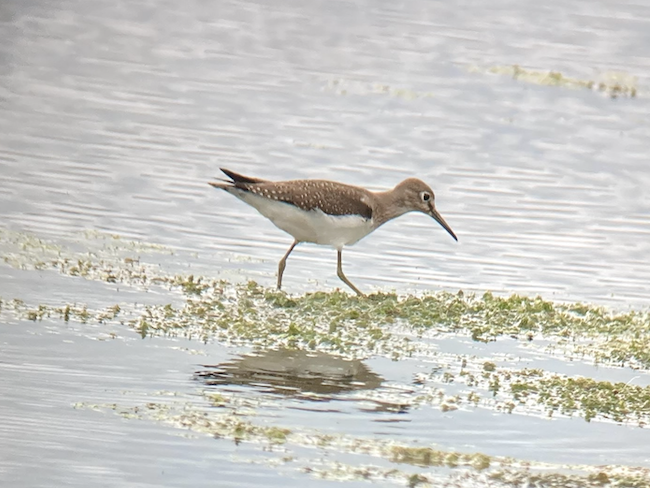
[(236, 180), (241, 179)]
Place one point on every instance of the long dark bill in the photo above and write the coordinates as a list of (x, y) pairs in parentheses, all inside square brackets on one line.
[(438, 218)]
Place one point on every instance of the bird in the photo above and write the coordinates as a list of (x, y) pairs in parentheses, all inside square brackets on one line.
[(329, 213)]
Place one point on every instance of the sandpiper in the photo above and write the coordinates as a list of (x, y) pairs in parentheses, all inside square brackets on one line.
[(329, 213)]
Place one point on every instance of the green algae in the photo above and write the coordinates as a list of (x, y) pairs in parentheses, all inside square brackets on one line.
[(503, 389), (336, 321), (426, 456), (620, 402), (250, 315), (68, 312), (397, 327), (385, 324), (241, 321), (231, 423), (613, 84), (530, 391), (608, 336)]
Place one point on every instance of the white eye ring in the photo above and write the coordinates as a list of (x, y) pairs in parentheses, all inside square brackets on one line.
[(425, 196)]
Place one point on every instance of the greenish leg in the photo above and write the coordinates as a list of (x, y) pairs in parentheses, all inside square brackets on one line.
[(339, 272), (283, 264)]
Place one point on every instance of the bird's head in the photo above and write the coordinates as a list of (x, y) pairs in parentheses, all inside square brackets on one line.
[(414, 195)]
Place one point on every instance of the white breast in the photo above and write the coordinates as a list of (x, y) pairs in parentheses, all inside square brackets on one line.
[(310, 226)]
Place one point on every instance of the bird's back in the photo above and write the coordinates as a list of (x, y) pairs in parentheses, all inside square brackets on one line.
[(319, 211), (330, 197)]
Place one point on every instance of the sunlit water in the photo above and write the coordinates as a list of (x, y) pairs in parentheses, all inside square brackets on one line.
[(116, 114)]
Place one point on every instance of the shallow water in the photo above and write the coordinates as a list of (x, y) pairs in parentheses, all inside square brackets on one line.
[(115, 118), (116, 114)]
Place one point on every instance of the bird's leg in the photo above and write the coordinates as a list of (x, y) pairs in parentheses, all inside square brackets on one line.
[(283, 264), (339, 273)]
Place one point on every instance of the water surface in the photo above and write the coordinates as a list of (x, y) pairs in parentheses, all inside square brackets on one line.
[(116, 114)]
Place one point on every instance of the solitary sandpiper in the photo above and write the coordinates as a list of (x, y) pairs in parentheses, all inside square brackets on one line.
[(329, 213)]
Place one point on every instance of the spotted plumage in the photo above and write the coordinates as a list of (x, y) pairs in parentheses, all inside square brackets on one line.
[(329, 213), (329, 197)]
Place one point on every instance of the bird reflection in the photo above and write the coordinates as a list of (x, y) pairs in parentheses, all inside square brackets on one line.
[(314, 375)]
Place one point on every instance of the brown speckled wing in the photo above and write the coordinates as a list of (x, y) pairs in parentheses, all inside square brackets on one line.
[(328, 196)]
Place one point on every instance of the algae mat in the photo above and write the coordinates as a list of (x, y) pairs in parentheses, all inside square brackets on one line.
[(418, 390)]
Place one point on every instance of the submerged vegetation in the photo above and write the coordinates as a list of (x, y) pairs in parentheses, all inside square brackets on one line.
[(436, 466), (613, 84), (401, 328)]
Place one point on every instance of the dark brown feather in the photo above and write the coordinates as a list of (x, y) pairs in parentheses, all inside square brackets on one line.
[(237, 178), (328, 196)]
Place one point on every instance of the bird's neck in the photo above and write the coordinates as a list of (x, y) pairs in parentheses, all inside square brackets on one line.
[(388, 205)]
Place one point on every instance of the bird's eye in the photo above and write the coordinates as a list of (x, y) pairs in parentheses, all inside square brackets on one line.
[(426, 196)]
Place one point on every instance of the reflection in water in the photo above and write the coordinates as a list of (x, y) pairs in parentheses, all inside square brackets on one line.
[(121, 134), (293, 373)]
